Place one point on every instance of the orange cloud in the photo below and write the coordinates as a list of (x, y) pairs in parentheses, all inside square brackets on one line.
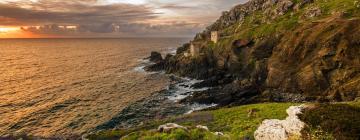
[(16, 32)]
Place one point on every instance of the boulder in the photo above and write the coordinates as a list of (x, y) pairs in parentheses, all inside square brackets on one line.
[(274, 129), (271, 129), (218, 133), (202, 127), (155, 57), (169, 127)]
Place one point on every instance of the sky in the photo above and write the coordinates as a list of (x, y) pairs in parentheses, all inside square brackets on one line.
[(108, 18)]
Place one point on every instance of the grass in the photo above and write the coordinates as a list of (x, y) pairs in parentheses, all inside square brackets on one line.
[(236, 123), (233, 122), (325, 122), (258, 25), (330, 6), (178, 134)]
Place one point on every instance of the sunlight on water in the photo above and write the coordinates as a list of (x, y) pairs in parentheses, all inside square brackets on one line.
[(58, 86)]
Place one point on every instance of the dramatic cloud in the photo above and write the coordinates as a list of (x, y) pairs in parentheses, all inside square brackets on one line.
[(112, 17), (73, 13)]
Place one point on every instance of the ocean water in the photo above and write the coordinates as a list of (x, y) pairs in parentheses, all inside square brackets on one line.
[(67, 86)]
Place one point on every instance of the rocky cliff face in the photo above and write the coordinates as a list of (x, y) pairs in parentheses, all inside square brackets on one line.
[(278, 50)]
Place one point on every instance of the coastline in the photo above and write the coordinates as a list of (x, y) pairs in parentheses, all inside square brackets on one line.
[(163, 104)]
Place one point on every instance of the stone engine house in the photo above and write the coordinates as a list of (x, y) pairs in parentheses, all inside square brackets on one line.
[(214, 36)]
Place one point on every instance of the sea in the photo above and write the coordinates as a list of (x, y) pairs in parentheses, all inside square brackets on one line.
[(67, 86)]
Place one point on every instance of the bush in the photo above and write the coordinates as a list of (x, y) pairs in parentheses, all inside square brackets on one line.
[(342, 121)]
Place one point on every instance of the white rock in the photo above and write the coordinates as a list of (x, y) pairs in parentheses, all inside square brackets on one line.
[(170, 126), (273, 129), (218, 133), (202, 127)]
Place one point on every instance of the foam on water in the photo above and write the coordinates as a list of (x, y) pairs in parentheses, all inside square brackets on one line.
[(141, 67), (196, 107), (183, 89), (180, 90)]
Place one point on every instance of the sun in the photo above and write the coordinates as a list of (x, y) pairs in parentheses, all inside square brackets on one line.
[(8, 29), (14, 32)]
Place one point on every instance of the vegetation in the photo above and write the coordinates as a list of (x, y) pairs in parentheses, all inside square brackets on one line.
[(258, 24), (235, 123), (333, 121), (329, 121)]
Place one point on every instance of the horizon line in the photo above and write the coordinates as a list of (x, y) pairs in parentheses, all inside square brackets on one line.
[(90, 37)]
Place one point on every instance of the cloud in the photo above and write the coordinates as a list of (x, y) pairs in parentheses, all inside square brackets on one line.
[(74, 13), (112, 17)]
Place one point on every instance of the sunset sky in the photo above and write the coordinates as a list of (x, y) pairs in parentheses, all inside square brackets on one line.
[(108, 18)]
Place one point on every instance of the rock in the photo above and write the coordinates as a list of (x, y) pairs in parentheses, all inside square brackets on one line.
[(156, 67), (202, 127), (301, 3), (278, 96), (273, 129), (168, 56), (241, 43), (292, 123), (218, 133), (155, 57), (170, 126), (283, 6), (183, 48), (313, 12)]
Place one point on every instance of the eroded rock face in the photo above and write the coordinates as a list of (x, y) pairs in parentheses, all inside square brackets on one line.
[(273, 129), (313, 63)]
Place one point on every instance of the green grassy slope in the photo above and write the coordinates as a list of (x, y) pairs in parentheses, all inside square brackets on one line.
[(235, 123), (325, 121)]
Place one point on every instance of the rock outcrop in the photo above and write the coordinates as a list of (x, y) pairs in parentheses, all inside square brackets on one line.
[(273, 129), (155, 57)]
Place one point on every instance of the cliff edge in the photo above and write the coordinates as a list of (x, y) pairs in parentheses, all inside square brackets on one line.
[(276, 50)]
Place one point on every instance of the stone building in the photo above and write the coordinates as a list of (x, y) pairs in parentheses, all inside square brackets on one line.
[(214, 36), (194, 49)]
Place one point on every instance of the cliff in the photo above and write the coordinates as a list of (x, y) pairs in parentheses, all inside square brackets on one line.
[(277, 50)]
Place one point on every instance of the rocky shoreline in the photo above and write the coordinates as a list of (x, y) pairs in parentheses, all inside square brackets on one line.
[(171, 101), (226, 89)]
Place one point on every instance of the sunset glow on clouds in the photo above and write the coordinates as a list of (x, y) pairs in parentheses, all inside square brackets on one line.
[(108, 18)]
